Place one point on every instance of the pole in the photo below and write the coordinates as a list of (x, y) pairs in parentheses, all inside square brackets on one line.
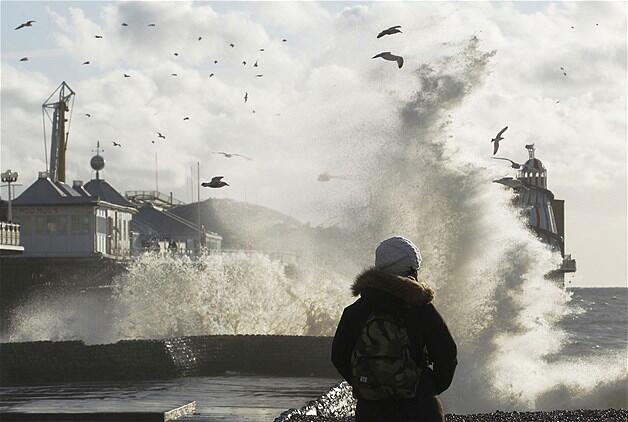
[(10, 210), (198, 204)]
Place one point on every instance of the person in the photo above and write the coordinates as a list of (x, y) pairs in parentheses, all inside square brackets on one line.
[(391, 292)]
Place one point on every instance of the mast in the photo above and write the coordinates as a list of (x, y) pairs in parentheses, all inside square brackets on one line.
[(59, 136)]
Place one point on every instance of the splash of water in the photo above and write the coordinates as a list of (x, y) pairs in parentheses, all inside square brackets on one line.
[(488, 269)]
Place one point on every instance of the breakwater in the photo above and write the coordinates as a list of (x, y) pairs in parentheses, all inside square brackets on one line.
[(50, 362)]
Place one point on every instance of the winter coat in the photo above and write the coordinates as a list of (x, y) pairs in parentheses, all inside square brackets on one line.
[(380, 291)]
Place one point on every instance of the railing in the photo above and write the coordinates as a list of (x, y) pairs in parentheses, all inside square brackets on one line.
[(151, 195), (9, 234)]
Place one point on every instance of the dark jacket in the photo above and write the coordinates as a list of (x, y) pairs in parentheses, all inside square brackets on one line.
[(430, 339)]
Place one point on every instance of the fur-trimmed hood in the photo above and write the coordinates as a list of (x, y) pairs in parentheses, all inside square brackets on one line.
[(405, 288)]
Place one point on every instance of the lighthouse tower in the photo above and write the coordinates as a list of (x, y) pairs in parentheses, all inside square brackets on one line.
[(546, 214)]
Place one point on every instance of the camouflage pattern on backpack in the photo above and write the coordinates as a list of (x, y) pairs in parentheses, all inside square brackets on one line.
[(381, 365)]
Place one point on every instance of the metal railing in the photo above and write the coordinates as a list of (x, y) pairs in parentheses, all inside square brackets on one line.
[(9, 234), (151, 196)]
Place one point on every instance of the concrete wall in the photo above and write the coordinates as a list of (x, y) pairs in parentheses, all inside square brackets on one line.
[(48, 362)]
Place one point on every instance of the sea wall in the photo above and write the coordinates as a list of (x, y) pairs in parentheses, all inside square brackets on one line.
[(48, 362)]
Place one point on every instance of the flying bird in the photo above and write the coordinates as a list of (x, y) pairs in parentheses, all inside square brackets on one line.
[(87, 62), (496, 140), (211, 74), (160, 135), (326, 177), (25, 24), (200, 38), (510, 182), (24, 59), (216, 182), (127, 76), (259, 75), (246, 97), (115, 144), (253, 111), (186, 118), (244, 62), (233, 154), (215, 61), (124, 24), (255, 64), (98, 36), (88, 115), (151, 24), (173, 74), (176, 54), (387, 55), (261, 49), (284, 40), (513, 164), (390, 31), (573, 27), (232, 45)]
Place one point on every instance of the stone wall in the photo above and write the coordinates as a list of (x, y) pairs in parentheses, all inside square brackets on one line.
[(48, 362)]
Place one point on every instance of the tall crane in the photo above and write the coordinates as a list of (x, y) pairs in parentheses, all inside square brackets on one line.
[(61, 104)]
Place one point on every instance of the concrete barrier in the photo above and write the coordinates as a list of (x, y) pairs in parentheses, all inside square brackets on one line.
[(51, 362)]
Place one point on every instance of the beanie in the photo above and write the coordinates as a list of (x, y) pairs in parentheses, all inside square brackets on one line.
[(398, 256)]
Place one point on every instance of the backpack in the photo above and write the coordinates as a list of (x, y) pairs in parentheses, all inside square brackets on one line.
[(381, 365)]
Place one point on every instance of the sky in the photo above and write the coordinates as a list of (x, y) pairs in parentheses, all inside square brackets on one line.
[(318, 88)]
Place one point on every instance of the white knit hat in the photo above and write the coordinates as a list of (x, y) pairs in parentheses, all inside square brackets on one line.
[(398, 256)]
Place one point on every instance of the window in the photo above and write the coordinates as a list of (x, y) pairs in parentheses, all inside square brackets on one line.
[(80, 224), (101, 224), (57, 224), (40, 224)]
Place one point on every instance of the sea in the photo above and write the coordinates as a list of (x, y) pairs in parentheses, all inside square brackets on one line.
[(597, 323)]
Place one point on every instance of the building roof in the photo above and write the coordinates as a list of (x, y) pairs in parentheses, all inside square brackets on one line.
[(103, 191), (46, 192), (535, 163), (154, 221)]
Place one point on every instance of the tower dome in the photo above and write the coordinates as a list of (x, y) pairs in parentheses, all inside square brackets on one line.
[(533, 171), (97, 162)]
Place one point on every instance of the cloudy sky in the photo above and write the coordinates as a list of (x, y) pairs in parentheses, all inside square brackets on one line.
[(319, 90)]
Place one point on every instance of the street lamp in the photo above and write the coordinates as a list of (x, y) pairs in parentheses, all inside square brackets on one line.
[(9, 177)]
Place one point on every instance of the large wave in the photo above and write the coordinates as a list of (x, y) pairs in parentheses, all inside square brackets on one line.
[(417, 181)]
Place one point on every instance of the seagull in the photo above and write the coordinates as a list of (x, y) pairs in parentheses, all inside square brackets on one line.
[(496, 140), (387, 55), (261, 49), (98, 36), (200, 38), (244, 62), (151, 24), (255, 64), (88, 115), (24, 59), (160, 135), (326, 177), (232, 45), (211, 74), (513, 164), (253, 111), (233, 154), (573, 27), (215, 61), (25, 24), (557, 101), (284, 40), (186, 118), (176, 54), (87, 62), (115, 144), (124, 24), (216, 182), (564, 73), (246, 97), (173, 74), (390, 31), (127, 76), (259, 75), (152, 142), (510, 182)]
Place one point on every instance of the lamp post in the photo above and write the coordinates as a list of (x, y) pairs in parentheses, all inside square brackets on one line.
[(9, 177)]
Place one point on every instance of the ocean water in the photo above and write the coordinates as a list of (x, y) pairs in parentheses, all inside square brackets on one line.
[(595, 324)]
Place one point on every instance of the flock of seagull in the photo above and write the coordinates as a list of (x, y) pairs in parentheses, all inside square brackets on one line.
[(217, 182)]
